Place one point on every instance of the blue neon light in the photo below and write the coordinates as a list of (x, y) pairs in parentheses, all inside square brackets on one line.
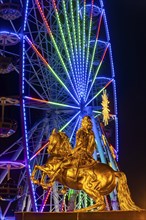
[(26, 13), (25, 123)]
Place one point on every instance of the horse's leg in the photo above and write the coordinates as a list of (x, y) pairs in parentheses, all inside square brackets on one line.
[(33, 175), (45, 185), (36, 168), (64, 190), (96, 196), (42, 182)]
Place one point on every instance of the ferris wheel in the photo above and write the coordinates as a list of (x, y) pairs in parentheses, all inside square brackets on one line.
[(66, 72)]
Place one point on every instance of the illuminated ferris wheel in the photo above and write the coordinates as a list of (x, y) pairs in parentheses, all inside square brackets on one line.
[(66, 72)]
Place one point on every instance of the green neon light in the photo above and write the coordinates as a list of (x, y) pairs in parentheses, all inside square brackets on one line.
[(61, 129), (86, 199), (98, 112), (53, 40), (63, 105), (74, 128), (63, 38), (89, 36), (65, 46), (97, 94), (93, 54), (70, 193), (98, 68), (75, 42), (50, 33), (50, 102), (80, 200), (97, 71), (84, 43), (49, 67), (70, 41), (79, 36)]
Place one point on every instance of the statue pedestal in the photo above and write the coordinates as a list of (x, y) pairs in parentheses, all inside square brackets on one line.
[(109, 215)]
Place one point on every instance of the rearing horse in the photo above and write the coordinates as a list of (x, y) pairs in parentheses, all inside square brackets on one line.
[(97, 179)]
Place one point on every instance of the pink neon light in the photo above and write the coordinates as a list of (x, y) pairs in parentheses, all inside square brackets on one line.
[(99, 25), (45, 199), (108, 83), (63, 205), (43, 17), (38, 100), (104, 54), (39, 150), (55, 6), (35, 49), (91, 14)]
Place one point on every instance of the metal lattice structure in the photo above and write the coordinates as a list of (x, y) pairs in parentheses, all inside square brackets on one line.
[(65, 65)]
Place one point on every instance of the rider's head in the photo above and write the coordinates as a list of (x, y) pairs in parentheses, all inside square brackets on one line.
[(86, 122)]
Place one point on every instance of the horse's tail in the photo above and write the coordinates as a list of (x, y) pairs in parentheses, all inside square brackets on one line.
[(123, 194)]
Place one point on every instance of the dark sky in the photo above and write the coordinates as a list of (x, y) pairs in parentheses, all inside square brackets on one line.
[(127, 26)]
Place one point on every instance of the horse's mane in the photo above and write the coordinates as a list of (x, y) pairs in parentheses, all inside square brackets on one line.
[(65, 148), (62, 146)]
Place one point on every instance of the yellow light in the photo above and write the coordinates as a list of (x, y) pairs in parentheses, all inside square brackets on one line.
[(105, 108)]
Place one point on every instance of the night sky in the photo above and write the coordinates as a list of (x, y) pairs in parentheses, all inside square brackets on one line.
[(127, 26)]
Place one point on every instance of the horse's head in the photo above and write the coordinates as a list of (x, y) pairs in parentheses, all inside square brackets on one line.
[(59, 144)]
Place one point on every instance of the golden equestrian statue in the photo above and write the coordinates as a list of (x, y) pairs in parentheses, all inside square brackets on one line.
[(77, 169)]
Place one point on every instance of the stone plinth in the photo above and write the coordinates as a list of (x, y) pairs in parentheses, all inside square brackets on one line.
[(112, 215)]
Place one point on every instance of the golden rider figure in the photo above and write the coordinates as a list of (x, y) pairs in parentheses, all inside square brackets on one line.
[(85, 143), (81, 155)]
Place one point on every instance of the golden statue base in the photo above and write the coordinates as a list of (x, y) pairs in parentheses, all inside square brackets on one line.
[(110, 215)]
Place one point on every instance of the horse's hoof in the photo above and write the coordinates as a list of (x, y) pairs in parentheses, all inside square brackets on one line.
[(35, 181), (101, 208), (63, 191), (50, 184), (45, 187), (32, 178)]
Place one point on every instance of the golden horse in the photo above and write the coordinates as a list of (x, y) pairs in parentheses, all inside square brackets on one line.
[(96, 179)]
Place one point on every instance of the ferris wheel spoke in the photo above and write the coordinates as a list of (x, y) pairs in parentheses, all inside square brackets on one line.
[(49, 67), (40, 40), (93, 54), (54, 42), (75, 46), (75, 128), (37, 76), (66, 48), (51, 103), (39, 150), (97, 71), (82, 52), (80, 72), (98, 93), (34, 138), (36, 135), (61, 129), (89, 37), (17, 143), (70, 41), (45, 199), (96, 113)]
